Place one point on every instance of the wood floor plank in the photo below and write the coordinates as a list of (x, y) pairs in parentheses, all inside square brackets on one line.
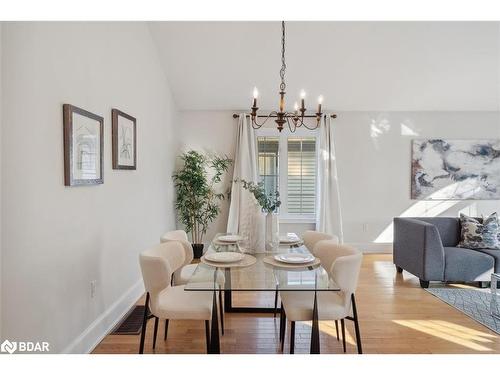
[(396, 316)]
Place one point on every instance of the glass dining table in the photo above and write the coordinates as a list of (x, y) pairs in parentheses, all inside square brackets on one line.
[(261, 276)]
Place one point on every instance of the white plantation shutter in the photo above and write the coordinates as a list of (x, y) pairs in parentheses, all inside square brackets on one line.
[(301, 182)]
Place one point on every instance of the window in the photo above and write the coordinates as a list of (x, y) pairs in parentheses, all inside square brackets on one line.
[(301, 183), (268, 151), (288, 163)]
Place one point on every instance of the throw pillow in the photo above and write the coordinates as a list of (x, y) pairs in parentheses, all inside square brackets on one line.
[(479, 235)]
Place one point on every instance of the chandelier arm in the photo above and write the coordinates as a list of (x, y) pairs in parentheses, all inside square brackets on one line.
[(256, 125), (290, 126)]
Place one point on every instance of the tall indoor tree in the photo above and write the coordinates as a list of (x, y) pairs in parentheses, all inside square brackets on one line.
[(197, 201)]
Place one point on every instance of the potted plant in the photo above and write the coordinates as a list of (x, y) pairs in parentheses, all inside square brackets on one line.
[(269, 203), (197, 201)]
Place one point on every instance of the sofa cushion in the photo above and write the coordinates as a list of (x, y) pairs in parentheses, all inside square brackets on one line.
[(467, 265), (479, 234), (493, 253)]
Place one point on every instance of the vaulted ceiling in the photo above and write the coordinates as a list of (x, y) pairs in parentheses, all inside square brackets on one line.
[(382, 66)]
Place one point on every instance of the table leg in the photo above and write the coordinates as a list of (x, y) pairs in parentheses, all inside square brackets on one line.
[(228, 297), (214, 334), (315, 345)]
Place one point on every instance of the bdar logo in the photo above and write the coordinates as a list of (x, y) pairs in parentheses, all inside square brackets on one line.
[(8, 347)]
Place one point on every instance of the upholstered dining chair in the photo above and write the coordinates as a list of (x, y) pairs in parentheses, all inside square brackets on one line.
[(310, 238), (184, 274), (343, 264), (167, 301)]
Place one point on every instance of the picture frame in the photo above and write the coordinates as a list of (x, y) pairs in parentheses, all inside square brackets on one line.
[(124, 140), (83, 134)]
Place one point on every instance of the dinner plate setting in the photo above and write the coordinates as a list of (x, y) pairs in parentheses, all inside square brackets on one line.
[(294, 258), (230, 238), (224, 257), (290, 238)]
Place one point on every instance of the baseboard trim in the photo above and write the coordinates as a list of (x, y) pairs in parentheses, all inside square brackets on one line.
[(371, 247), (102, 326)]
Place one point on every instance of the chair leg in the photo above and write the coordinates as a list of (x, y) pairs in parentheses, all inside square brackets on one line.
[(156, 332), (281, 323), (166, 330), (283, 328), (207, 335), (356, 324), (399, 269), (292, 338), (337, 329), (221, 309), (275, 302), (342, 325), (144, 325)]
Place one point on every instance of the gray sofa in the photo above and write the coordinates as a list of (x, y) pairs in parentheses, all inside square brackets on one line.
[(427, 248)]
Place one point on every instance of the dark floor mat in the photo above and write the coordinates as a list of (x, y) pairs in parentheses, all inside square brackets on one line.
[(132, 323)]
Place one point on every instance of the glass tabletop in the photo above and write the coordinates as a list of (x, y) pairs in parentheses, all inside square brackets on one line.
[(260, 276)]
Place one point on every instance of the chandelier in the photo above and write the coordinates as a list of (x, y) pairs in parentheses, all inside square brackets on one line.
[(293, 119)]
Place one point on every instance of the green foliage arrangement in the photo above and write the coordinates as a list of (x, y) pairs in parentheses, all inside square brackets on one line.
[(197, 203), (269, 202)]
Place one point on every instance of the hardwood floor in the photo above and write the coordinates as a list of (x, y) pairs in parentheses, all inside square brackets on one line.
[(396, 316)]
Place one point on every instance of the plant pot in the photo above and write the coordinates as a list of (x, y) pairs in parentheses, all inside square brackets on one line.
[(197, 250), (272, 232)]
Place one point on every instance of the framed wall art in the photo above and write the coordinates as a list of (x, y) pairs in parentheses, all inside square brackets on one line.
[(124, 134), (451, 169), (83, 133)]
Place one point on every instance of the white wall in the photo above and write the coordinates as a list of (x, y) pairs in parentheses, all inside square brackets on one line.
[(56, 238), (374, 160), (373, 152)]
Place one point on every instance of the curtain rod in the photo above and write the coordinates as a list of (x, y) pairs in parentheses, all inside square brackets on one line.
[(236, 115)]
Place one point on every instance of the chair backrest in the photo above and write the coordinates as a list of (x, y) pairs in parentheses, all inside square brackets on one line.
[(180, 236), (345, 268), (312, 237), (157, 265)]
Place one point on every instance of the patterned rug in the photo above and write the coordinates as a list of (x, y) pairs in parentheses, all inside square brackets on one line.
[(472, 302)]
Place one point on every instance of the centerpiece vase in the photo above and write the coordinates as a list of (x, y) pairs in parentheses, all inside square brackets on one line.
[(272, 232)]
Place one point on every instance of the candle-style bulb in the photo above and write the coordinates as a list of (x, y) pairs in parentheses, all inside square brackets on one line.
[(320, 99), (255, 93), (302, 94), (296, 106)]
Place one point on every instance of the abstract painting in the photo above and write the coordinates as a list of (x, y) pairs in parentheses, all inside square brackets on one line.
[(124, 140), (455, 169), (83, 146)]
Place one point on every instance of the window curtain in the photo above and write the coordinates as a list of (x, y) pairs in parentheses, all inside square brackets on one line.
[(245, 216), (329, 217)]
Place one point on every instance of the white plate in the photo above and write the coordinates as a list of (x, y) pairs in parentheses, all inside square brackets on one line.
[(294, 258), (224, 257), (230, 238), (289, 239)]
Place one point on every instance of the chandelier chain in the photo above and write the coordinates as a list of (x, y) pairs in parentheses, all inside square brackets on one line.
[(283, 64)]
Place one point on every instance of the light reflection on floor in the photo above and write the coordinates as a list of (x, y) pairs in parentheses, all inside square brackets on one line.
[(454, 333)]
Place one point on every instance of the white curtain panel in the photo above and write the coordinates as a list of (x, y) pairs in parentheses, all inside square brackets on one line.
[(245, 216), (329, 216)]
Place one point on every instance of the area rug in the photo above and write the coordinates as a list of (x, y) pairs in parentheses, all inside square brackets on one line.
[(472, 302)]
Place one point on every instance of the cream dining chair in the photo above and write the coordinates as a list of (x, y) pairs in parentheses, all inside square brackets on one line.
[(166, 301), (343, 264), (184, 274), (310, 238)]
